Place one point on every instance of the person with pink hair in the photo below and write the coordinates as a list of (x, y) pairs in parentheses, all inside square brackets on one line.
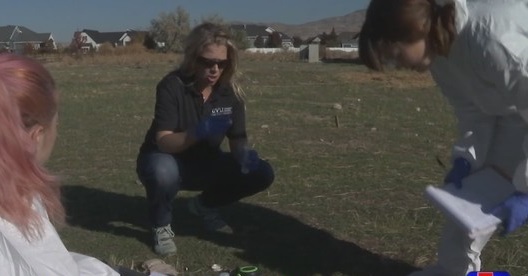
[(30, 203)]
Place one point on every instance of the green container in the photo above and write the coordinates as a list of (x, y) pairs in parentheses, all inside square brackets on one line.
[(246, 271)]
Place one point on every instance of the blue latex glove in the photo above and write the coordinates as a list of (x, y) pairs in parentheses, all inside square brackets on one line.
[(461, 168), (250, 161), (212, 125), (514, 211)]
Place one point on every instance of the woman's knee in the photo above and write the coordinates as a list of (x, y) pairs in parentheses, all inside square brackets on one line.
[(159, 170), (265, 175)]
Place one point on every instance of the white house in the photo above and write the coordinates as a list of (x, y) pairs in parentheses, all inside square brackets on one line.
[(253, 32), (92, 39), (349, 39)]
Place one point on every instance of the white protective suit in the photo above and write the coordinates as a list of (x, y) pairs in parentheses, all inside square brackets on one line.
[(485, 78), (43, 257)]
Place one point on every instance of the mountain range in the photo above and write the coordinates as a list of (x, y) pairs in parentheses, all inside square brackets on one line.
[(350, 22)]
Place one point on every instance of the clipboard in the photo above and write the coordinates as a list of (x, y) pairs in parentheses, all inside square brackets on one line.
[(470, 205)]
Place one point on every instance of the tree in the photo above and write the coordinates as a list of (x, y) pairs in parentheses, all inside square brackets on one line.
[(297, 41), (323, 38), (332, 40), (214, 18), (29, 49), (259, 42), (47, 47), (239, 38), (77, 43), (149, 42), (142, 38), (171, 28), (275, 40)]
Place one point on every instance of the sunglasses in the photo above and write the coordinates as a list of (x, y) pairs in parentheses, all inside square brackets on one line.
[(208, 63)]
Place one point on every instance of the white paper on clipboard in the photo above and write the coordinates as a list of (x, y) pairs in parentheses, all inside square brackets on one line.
[(468, 206)]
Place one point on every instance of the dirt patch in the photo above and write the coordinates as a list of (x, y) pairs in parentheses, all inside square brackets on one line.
[(393, 79)]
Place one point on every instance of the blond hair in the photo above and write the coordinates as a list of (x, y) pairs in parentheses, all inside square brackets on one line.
[(198, 39)]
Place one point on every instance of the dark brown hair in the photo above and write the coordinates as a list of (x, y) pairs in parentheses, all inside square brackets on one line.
[(390, 21)]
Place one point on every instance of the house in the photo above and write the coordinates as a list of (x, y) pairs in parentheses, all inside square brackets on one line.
[(253, 32), (92, 39), (17, 39), (349, 39), (313, 40)]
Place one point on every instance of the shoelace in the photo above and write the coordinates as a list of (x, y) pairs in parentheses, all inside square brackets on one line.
[(166, 229)]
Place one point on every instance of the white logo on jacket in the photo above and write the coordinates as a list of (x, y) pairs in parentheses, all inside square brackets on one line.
[(217, 111)]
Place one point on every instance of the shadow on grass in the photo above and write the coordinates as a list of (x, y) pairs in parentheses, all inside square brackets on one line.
[(108, 212), (265, 237), (355, 61)]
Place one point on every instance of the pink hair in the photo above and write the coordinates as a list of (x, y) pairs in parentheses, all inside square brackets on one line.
[(28, 97)]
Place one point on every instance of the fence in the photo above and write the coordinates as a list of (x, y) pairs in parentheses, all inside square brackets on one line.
[(295, 50)]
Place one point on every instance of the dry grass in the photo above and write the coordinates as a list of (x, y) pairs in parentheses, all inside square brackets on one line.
[(341, 55), (134, 55), (131, 55), (346, 200), (137, 55), (395, 79)]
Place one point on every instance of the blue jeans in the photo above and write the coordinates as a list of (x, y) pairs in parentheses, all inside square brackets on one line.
[(219, 178)]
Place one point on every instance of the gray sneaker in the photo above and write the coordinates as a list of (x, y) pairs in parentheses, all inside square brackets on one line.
[(163, 242), (213, 222)]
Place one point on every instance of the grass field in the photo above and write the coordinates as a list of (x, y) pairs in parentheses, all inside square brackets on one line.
[(348, 195)]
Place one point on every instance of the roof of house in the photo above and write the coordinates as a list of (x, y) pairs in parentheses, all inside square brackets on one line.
[(348, 37), (99, 37), (21, 34), (136, 32), (253, 29), (284, 36), (313, 39)]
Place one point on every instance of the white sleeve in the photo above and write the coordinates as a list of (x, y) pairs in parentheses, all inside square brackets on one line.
[(89, 266), (46, 255), (475, 131), (506, 67), (11, 262), (475, 128), (520, 176), (520, 88)]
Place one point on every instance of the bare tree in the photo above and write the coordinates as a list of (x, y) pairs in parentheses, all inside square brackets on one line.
[(297, 41), (240, 39), (214, 18), (77, 43), (332, 40), (171, 28), (47, 47), (259, 42)]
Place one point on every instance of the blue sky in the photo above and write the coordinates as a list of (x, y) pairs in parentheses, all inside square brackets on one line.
[(63, 17)]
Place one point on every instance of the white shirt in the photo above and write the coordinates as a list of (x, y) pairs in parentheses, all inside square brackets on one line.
[(46, 256)]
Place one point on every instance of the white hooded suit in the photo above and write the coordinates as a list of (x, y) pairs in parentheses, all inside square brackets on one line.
[(485, 78), (45, 256)]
